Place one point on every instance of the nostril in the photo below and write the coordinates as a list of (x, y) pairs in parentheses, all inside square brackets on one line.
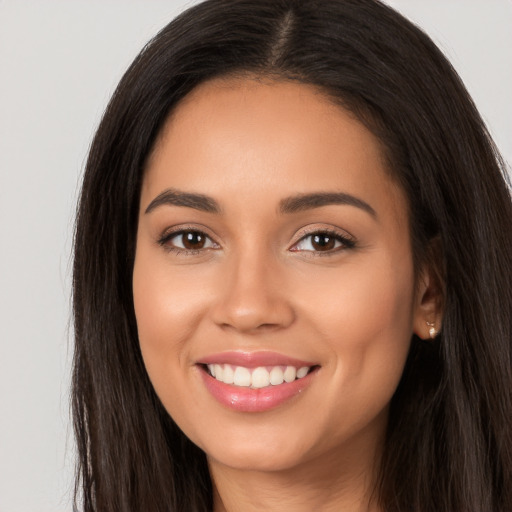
[(251, 304)]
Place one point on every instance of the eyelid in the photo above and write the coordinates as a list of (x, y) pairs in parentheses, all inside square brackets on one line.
[(346, 240), (169, 233)]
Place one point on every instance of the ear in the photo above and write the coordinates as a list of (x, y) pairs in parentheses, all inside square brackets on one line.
[(429, 300)]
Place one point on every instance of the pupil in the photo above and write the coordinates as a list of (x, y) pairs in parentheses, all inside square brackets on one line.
[(193, 240), (323, 242)]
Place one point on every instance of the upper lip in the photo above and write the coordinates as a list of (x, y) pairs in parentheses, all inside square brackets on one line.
[(254, 359)]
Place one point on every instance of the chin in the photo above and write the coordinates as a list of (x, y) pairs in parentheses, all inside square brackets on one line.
[(256, 460), (257, 452)]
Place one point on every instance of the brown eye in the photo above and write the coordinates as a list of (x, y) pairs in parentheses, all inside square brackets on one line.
[(187, 240), (323, 242), (193, 240)]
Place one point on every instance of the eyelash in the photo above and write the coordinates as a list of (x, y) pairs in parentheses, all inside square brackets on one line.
[(168, 236), (345, 242)]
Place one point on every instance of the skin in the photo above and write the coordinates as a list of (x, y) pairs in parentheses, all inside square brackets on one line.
[(258, 283)]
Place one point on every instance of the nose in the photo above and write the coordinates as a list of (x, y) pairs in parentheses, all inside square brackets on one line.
[(253, 296)]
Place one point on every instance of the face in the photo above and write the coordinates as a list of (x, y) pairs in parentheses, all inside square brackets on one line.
[(273, 251)]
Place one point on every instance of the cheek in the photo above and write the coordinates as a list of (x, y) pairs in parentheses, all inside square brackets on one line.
[(365, 318), (167, 309), (369, 301)]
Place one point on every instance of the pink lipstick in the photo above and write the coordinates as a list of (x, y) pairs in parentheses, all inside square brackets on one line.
[(255, 381)]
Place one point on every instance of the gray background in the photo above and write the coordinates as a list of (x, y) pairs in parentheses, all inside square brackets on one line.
[(59, 63)]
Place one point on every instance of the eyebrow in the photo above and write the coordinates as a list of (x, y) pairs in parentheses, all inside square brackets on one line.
[(175, 197), (304, 202), (293, 204)]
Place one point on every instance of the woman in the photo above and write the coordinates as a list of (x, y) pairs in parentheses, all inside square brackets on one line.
[(292, 283)]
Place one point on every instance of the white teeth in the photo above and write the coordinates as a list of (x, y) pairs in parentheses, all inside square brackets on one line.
[(256, 378), (276, 376), (260, 378), (242, 377), (229, 374), (290, 373), (302, 372), (219, 371)]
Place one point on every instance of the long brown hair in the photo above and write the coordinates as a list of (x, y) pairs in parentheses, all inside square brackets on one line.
[(449, 442)]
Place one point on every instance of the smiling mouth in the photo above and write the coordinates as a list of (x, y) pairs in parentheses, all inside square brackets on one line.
[(256, 378)]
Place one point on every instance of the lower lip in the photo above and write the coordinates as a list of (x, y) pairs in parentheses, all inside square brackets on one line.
[(245, 399)]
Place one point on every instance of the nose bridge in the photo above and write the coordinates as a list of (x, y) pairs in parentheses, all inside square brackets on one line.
[(252, 296)]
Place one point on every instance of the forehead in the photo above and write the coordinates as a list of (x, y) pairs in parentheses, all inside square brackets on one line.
[(236, 138)]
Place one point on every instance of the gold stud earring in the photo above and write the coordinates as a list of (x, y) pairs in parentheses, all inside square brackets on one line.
[(432, 331)]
